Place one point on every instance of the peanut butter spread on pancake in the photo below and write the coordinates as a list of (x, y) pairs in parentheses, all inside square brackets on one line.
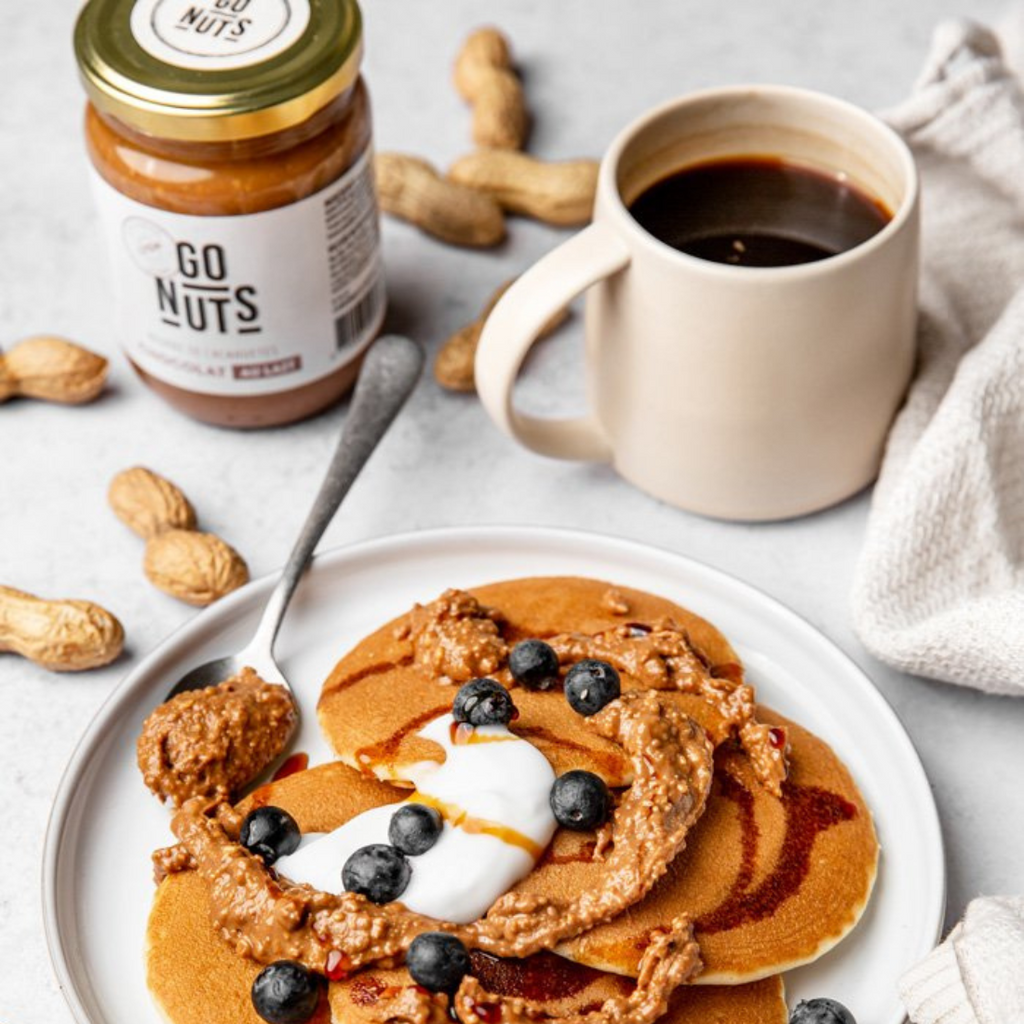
[(269, 918), (458, 638), (455, 638), (211, 742), (179, 937), (683, 696), (661, 657)]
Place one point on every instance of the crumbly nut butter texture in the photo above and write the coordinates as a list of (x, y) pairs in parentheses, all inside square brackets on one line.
[(208, 744), (618, 899), (457, 638), (269, 918)]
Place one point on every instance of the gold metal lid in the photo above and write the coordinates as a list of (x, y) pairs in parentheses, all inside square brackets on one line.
[(216, 70)]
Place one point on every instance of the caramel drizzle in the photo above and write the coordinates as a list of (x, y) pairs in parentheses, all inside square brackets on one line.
[(610, 760), (367, 672), (464, 735), (384, 752), (458, 818)]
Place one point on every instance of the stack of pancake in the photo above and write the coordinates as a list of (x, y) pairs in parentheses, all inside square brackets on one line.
[(769, 883)]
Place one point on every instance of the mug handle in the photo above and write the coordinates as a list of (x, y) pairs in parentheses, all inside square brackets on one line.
[(516, 322)]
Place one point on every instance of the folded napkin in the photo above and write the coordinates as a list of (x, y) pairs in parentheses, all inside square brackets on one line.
[(940, 586), (939, 590)]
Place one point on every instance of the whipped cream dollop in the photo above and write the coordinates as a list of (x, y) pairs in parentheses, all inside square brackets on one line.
[(492, 790)]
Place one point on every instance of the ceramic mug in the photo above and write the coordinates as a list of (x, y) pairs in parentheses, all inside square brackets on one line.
[(739, 392)]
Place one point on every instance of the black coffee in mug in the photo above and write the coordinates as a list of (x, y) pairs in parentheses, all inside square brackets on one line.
[(758, 211)]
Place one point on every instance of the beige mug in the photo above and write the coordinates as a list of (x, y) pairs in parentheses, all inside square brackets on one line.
[(739, 392)]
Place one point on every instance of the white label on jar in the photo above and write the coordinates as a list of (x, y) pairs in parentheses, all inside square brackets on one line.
[(247, 304), (216, 35)]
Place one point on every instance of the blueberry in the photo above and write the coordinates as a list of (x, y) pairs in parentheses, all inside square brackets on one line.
[(483, 702), (437, 961), (378, 871), (534, 664), (270, 832), (285, 992), (580, 801), (415, 828), (821, 1011), (590, 684)]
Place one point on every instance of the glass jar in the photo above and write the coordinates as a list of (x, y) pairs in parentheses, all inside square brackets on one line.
[(230, 142)]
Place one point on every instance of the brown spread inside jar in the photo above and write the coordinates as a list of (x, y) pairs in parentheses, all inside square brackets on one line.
[(236, 300)]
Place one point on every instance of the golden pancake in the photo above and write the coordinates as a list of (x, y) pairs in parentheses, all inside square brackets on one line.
[(769, 884), (378, 696), (193, 976), (196, 978)]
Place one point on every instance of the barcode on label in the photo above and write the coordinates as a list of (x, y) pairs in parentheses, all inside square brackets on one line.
[(361, 319)]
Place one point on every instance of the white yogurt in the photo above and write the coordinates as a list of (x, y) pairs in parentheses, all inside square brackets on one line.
[(506, 782)]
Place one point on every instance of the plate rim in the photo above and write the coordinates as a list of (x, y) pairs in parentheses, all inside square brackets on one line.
[(94, 733)]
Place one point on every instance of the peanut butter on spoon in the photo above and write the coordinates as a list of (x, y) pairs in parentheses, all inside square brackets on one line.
[(211, 743)]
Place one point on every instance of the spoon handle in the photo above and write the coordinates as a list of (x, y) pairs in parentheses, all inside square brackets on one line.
[(388, 375)]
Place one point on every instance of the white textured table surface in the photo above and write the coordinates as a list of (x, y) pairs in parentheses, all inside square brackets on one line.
[(590, 66)]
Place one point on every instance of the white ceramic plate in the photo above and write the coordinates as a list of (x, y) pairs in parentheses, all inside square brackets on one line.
[(96, 875)]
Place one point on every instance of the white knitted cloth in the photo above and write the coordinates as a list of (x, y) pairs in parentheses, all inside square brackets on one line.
[(939, 590), (940, 586), (977, 975)]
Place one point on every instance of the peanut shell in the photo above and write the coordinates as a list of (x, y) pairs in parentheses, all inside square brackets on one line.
[(411, 189), (62, 636), (52, 369), (148, 503), (560, 193), (484, 77), (197, 568)]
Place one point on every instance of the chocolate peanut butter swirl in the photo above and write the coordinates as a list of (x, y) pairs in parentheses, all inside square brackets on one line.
[(269, 918)]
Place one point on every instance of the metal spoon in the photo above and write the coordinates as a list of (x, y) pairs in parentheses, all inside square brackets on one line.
[(388, 375)]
